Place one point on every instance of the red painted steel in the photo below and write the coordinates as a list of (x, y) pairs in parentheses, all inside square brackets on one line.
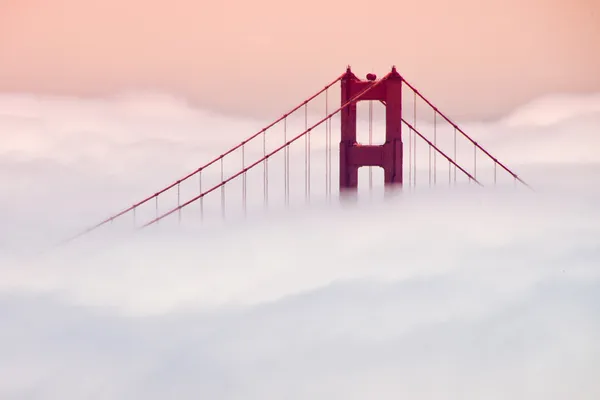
[(387, 156), (155, 195), (464, 134), (266, 157), (433, 146)]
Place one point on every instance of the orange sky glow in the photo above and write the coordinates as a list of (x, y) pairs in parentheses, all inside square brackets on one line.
[(476, 59)]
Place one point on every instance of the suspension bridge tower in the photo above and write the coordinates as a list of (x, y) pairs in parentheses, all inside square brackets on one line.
[(354, 155)]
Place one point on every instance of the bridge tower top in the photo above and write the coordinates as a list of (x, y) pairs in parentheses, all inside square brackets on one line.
[(353, 155)]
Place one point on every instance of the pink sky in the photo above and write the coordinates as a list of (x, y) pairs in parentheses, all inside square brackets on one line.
[(472, 57)]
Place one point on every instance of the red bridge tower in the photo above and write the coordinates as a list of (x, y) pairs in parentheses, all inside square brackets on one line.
[(354, 155)]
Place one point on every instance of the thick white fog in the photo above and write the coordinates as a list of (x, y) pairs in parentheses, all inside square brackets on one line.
[(441, 293)]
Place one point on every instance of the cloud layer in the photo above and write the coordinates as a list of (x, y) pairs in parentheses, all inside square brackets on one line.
[(457, 293)]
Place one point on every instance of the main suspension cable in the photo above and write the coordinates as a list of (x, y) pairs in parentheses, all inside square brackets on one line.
[(266, 156)]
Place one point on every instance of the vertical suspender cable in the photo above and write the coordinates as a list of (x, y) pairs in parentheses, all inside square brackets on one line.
[(286, 167), (429, 148), (179, 201), (455, 159), (201, 198), (265, 167), (326, 145), (495, 167), (415, 140), (435, 143), (244, 177), (306, 167), (222, 190), (475, 160), (429, 166), (328, 127), (370, 142), (410, 138), (308, 134)]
